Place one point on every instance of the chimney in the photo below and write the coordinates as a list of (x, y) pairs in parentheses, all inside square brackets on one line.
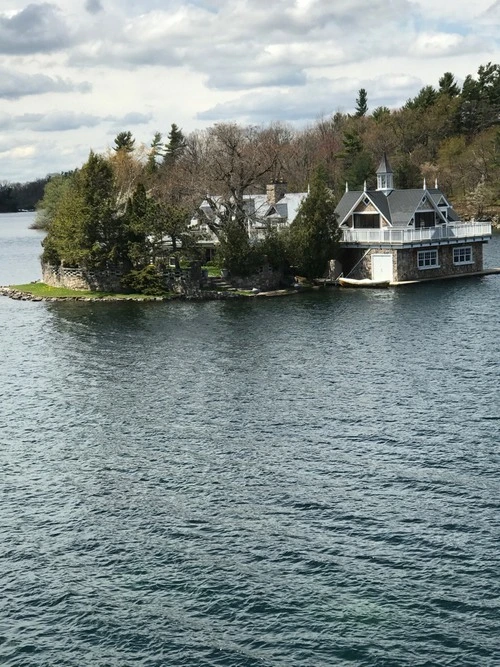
[(275, 191)]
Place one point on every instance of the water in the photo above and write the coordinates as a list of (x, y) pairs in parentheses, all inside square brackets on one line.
[(306, 481)]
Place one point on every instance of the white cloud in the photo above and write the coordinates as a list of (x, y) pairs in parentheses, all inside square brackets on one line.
[(144, 64)]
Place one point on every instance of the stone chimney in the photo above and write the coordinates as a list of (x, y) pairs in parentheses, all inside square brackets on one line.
[(275, 191)]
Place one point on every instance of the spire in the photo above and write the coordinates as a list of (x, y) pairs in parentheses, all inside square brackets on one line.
[(364, 187), (346, 186), (384, 166), (425, 185), (385, 176), (436, 184)]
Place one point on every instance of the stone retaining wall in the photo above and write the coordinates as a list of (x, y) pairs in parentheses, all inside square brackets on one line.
[(81, 279)]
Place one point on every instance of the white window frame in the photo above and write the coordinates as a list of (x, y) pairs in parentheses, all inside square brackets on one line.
[(464, 254), (427, 259)]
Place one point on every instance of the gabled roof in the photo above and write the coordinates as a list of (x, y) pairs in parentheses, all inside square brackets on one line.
[(351, 199), (398, 206)]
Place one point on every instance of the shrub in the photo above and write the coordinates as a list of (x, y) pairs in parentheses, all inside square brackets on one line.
[(144, 281)]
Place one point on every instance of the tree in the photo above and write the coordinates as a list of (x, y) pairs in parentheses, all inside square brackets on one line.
[(358, 164), (124, 142), (425, 98), (380, 113), (86, 229), (50, 202), (361, 103), (176, 144), (448, 85), (155, 153), (229, 161), (314, 234)]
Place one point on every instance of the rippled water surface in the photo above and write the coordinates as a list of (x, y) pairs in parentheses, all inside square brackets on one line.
[(306, 481)]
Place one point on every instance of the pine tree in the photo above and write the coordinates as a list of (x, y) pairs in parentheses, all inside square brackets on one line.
[(176, 144), (448, 85), (361, 103), (155, 153), (314, 234), (124, 141)]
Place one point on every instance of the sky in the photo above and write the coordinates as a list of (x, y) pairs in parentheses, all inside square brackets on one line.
[(74, 73)]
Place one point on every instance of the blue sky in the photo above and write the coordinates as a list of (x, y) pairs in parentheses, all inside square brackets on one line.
[(73, 73)]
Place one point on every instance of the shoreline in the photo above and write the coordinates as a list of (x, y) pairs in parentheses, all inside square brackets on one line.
[(25, 295)]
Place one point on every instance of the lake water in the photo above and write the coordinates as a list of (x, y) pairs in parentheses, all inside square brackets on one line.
[(306, 481)]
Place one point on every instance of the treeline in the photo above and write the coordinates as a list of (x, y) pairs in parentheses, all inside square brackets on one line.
[(120, 207), (449, 133), (21, 196)]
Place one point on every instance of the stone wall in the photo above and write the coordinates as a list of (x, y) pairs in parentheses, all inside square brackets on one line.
[(81, 279), (179, 281), (358, 263), (408, 268), (265, 279)]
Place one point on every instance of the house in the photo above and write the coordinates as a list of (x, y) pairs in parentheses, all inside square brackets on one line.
[(276, 207), (406, 235)]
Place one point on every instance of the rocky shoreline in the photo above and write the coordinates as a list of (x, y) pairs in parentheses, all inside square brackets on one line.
[(199, 295)]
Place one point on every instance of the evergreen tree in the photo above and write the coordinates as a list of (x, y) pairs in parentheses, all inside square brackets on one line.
[(176, 144), (448, 85), (86, 230), (361, 103), (380, 113), (314, 234), (155, 153), (124, 141), (425, 99)]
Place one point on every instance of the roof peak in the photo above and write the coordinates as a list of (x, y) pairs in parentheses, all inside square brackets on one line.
[(384, 166)]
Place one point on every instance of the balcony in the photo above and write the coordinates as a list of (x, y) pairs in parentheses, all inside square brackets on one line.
[(407, 237)]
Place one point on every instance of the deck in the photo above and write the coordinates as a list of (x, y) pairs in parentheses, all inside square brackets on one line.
[(466, 232)]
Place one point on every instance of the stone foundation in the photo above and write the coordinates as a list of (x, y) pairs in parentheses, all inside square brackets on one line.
[(358, 262)]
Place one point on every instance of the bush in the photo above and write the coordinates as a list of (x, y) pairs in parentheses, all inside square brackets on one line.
[(144, 281)]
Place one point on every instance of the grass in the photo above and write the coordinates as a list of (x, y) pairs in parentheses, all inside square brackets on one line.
[(42, 290), (213, 271)]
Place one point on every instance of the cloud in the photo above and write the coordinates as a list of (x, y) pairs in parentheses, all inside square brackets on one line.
[(64, 121), (241, 46), (319, 97), (94, 6), (35, 29), (440, 44), (132, 118), (14, 85)]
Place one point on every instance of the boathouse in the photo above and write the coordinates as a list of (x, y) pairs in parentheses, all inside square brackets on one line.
[(406, 235)]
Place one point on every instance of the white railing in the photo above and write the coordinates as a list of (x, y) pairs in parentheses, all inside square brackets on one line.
[(401, 236)]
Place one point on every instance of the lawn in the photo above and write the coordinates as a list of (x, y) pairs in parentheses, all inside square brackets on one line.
[(42, 290)]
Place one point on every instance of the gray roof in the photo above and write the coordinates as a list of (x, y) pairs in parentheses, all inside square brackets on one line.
[(398, 206), (384, 166), (259, 209)]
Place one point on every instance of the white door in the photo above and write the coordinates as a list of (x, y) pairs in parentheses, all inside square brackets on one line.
[(382, 267)]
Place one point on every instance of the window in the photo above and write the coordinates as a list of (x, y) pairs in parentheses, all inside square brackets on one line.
[(366, 221), (462, 255), (427, 259)]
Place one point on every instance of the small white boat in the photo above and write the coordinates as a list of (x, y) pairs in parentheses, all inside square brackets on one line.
[(364, 282)]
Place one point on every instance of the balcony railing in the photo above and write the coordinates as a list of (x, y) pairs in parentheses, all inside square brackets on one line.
[(392, 236)]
